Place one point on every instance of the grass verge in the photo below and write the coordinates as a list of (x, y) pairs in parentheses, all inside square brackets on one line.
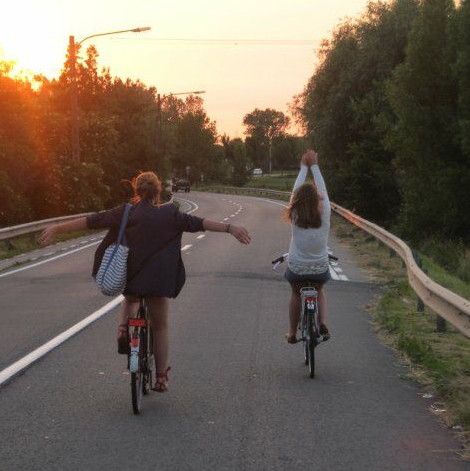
[(280, 182), (27, 242)]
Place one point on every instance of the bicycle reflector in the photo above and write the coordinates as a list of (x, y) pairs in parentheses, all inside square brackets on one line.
[(133, 322)]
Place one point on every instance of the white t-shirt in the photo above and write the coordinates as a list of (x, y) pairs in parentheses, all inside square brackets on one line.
[(308, 252)]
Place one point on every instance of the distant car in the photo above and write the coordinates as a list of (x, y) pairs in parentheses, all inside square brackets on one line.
[(257, 172), (181, 184)]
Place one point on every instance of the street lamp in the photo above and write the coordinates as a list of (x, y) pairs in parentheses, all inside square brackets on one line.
[(160, 100), (73, 59)]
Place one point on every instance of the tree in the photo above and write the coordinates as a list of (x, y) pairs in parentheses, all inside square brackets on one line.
[(262, 127), (424, 98), (236, 157), (345, 110)]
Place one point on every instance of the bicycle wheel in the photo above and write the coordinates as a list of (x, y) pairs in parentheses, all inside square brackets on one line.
[(148, 376), (138, 372), (310, 346)]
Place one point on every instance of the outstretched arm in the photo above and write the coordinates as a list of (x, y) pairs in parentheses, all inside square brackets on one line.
[(240, 233), (50, 233)]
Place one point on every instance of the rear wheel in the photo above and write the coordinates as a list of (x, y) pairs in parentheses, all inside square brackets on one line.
[(149, 364), (310, 346), (138, 372), (137, 391)]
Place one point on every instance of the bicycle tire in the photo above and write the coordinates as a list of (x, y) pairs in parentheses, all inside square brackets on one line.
[(136, 391), (138, 378), (311, 344), (147, 386)]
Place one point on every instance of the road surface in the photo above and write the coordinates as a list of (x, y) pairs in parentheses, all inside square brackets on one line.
[(239, 398)]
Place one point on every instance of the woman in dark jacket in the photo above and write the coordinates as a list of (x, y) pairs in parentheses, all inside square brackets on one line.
[(155, 267)]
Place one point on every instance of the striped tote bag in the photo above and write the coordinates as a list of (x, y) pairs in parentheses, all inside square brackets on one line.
[(112, 274)]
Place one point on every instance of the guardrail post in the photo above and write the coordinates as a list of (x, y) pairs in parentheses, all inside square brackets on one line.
[(441, 324), (419, 262)]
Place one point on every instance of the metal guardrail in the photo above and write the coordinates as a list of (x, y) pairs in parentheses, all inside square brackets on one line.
[(447, 304), (31, 227)]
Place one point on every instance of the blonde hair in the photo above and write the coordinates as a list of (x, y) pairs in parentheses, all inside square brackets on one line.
[(147, 186), (304, 210)]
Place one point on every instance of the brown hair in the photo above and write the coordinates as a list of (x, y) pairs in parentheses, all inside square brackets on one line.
[(304, 209), (147, 186)]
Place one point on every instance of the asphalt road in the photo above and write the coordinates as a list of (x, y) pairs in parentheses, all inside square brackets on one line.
[(239, 398)]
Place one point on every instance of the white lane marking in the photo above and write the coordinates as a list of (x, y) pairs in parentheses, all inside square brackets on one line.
[(30, 358), (333, 274), (343, 278), (225, 219), (32, 265), (201, 236), (186, 247), (232, 215), (195, 206)]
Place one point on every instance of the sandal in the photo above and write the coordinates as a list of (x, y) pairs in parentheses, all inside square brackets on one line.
[(324, 332), (292, 339), (123, 339), (161, 382)]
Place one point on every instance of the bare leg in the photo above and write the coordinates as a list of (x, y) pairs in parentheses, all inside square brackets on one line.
[(128, 308), (294, 311), (322, 306), (158, 310)]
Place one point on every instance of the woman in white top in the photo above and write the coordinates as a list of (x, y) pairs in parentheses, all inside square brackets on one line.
[(309, 214)]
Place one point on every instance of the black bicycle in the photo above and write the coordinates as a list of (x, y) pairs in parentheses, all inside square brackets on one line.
[(308, 325), (140, 361)]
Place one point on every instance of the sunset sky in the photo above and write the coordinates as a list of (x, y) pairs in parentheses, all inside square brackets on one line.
[(237, 76)]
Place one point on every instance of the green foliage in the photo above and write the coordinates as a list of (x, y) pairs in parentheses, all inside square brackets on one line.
[(117, 129), (263, 127), (344, 107), (424, 96), (388, 109), (236, 158)]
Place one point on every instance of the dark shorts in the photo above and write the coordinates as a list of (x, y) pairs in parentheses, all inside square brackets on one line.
[(318, 278)]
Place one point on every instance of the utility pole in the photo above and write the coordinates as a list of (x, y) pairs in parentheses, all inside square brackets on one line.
[(159, 134), (74, 100), (73, 76)]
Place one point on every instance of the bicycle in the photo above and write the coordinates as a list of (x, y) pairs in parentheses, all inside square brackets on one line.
[(308, 324), (140, 360)]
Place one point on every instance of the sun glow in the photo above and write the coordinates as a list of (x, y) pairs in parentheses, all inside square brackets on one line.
[(32, 42)]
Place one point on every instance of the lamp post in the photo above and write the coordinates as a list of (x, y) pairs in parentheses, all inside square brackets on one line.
[(160, 100), (74, 99)]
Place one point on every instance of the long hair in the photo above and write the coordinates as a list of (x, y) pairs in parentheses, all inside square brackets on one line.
[(147, 187), (304, 209)]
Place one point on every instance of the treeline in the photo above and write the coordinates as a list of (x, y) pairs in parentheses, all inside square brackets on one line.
[(118, 133), (388, 109)]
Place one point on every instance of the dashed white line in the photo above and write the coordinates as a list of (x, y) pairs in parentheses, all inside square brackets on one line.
[(201, 236), (225, 219), (186, 247), (232, 215)]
